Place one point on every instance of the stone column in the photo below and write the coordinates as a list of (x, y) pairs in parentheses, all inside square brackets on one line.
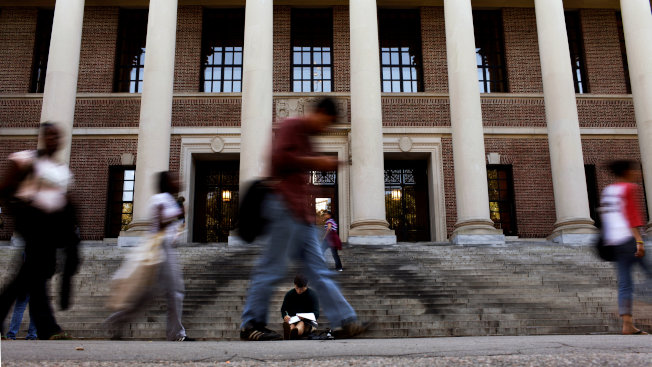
[(574, 224), (60, 92), (474, 225), (155, 111), (368, 224), (637, 24), (257, 90)]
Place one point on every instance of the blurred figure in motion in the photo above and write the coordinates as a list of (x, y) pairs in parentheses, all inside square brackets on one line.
[(300, 299), (292, 233), (621, 221), (17, 319), (36, 186), (331, 239), (165, 217)]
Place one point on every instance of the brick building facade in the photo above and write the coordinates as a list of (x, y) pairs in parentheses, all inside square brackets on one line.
[(106, 122)]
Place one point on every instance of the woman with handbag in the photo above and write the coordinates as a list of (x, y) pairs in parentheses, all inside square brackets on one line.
[(165, 212), (332, 239), (36, 185), (621, 221)]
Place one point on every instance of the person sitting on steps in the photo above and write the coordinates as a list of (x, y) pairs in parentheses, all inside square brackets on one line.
[(298, 300)]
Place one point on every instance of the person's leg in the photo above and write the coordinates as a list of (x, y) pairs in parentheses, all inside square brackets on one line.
[(31, 331), (172, 281), (337, 309), (40, 308), (271, 267), (11, 292), (625, 259), (336, 257), (17, 316)]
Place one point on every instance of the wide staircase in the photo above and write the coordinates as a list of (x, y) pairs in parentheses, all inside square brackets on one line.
[(406, 290)]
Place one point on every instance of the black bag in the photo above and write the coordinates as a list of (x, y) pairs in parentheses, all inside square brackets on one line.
[(251, 221), (606, 253)]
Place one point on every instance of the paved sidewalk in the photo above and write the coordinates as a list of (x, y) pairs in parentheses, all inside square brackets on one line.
[(563, 350)]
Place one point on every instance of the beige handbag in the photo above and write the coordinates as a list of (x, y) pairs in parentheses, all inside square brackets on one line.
[(137, 273)]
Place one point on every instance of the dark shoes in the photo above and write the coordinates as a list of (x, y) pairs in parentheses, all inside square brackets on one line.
[(185, 339), (350, 329), (258, 332)]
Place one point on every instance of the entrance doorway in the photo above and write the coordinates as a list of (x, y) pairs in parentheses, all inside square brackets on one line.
[(216, 200), (406, 200), (323, 194)]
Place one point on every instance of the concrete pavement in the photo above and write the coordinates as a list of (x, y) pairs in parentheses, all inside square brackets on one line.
[(562, 350)]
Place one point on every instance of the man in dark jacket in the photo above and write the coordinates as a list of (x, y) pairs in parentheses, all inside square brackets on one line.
[(299, 300)]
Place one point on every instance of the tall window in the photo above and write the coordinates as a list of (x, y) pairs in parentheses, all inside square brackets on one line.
[(312, 45), (502, 206), (400, 50), (576, 47), (120, 203), (592, 189), (222, 42), (130, 65), (490, 51), (623, 51), (41, 50)]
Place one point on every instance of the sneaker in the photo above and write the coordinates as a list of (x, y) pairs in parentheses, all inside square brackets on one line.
[(351, 329), (258, 333), (62, 335), (185, 339), (30, 338), (340, 269)]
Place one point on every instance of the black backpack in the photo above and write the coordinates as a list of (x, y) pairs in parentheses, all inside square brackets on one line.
[(604, 252), (251, 221)]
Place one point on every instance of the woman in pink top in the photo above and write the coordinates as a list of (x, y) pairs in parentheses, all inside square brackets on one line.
[(621, 221)]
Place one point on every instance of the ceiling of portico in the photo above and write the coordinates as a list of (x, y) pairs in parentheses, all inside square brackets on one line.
[(571, 4)]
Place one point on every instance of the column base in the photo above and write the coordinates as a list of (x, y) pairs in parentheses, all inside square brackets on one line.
[(371, 233), (477, 232), (574, 232), (134, 234)]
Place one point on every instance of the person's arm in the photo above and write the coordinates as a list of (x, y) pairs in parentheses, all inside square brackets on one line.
[(10, 180), (634, 217), (284, 308)]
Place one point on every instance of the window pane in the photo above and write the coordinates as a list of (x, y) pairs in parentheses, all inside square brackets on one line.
[(237, 87), (327, 86), (296, 86), (405, 58), (387, 86), (306, 86), (396, 86), (228, 59), (228, 73), (385, 58), (327, 73), (306, 74), (394, 58), (387, 74), (297, 58), (407, 87), (128, 186), (316, 86), (327, 57), (208, 74), (305, 58), (317, 58), (128, 196), (207, 87), (296, 73), (227, 87), (317, 73), (238, 58), (396, 74), (218, 58), (237, 73), (407, 74), (130, 174)]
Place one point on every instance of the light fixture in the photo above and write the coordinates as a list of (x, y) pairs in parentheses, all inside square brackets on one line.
[(226, 195), (396, 194)]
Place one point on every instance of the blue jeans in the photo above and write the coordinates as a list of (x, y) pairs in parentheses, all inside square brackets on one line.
[(288, 240), (625, 261), (17, 318)]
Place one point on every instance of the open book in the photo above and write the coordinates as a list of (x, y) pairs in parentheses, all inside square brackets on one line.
[(306, 317)]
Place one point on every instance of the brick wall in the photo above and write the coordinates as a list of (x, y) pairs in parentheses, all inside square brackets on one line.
[(433, 45), (98, 47), (282, 33), (522, 51), (90, 161), (188, 49), (17, 30), (341, 49), (604, 61)]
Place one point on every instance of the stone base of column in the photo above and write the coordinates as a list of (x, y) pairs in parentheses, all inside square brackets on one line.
[(134, 234), (477, 232), (579, 231), (371, 233)]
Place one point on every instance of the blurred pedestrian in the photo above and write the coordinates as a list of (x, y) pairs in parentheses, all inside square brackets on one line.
[(331, 239), (165, 217), (36, 185), (621, 221), (293, 235), (300, 299)]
